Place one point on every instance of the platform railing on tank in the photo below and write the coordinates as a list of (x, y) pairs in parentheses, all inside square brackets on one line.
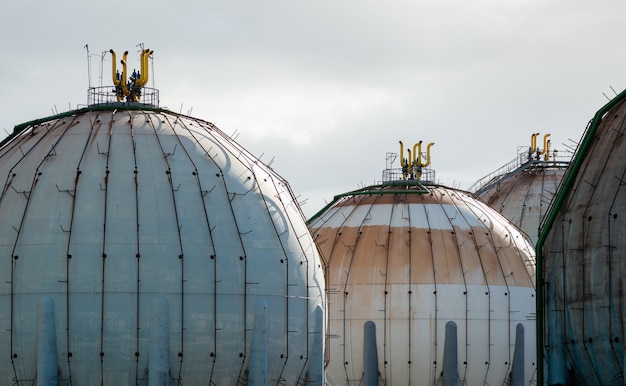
[(108, 95), (525, 159), (397, 174)]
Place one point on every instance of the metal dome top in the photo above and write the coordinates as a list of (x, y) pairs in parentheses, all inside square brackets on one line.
[(413, 257), (139, 242), (523, 189)]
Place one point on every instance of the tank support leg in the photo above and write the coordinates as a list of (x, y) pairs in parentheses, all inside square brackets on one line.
[(370, 355), (517, 372), (258, 355), (158, 362), (315, 374), (47, 355), (450, 356)]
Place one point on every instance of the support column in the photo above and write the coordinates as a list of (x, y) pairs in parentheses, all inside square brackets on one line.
[(47, 355), (517, 372), (258, 357), (370, 355), (158, 361), (450, 356), (315, 374)]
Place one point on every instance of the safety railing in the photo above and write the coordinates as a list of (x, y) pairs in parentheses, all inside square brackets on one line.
[(108, 95)]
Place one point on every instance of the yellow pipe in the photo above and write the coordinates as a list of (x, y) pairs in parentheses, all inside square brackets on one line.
[(545, 143), (124, 88), (409, 157), (543, 151), (114, 69), (428, 154), (417, 151), (402, 163), (546, 157), (533, 142), (143, 76)]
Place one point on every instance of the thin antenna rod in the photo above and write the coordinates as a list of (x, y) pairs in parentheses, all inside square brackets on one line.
[(102, 57), (88, 65), (151, 58)]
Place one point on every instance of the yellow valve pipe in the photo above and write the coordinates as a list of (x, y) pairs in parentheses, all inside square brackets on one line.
[(409, 158), (402, 163), (533, 142), (428, 154), (417, 153), (143, 75), (114, 69), (546, 157), (124, 88), (545, 144)]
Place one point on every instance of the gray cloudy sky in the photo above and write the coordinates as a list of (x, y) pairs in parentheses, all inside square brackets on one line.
[(327, 88)]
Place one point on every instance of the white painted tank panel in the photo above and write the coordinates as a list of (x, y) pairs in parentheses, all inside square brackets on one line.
[(525, 196), (103, 211), (411, 263)]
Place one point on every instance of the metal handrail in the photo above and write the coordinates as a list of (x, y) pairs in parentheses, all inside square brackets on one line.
[(107, 95)]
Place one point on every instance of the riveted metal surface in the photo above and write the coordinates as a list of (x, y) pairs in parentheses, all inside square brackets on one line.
[(524, 197), (413, 262), (104, 210), (584, 259)]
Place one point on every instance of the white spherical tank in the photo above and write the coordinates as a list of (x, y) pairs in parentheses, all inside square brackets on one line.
[(522, 189), (138, 244), (524, 196), (447, 282)]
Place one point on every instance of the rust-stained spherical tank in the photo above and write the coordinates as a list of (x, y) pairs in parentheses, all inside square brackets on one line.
[(582, 248), (140, 246), (524, 195), (444, 278)]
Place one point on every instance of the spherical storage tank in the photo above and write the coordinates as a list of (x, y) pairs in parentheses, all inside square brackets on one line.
[(140, 246), (582, 250), (522, 189), (425, 285)]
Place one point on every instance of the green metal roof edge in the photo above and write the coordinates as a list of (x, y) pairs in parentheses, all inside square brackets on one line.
[(564, 188), (373, 190), (100, 107)]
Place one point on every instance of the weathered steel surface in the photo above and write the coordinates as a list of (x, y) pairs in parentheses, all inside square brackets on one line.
[(413, 262), (103, 211), (524, 197), (585, 265)]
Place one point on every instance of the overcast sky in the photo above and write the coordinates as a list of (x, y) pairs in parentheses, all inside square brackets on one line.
[(327, 88)]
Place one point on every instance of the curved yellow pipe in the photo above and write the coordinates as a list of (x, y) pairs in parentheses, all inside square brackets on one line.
[(114, 69), (123, 81), (402, 163), (546, 157), (545, 143), (428, 154), (143, 76), (543, 151), (533, 142), (409, 157), (417, 151)]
